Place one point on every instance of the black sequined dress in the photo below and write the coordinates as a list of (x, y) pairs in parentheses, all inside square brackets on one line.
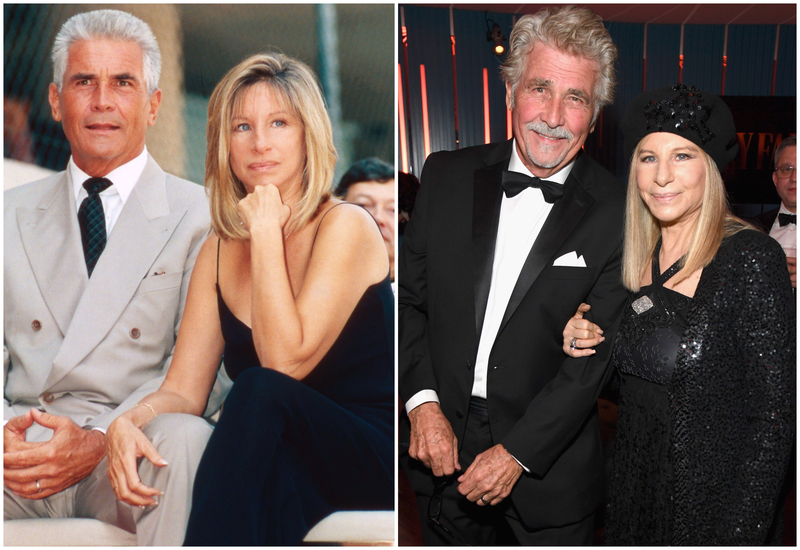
[(707, 407), (640, 501)]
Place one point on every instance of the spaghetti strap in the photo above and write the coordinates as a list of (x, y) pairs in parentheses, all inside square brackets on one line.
[(218, 242), (661, 278), (319, 224)]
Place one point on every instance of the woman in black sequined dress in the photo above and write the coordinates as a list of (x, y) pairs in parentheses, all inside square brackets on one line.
[(292, 290), (706, 349)]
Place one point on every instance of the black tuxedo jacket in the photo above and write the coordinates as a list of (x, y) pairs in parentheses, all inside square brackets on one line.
[(542, 403), (765, 220)]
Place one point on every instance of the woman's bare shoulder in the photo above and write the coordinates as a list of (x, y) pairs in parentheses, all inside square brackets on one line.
[(348, 231), (345, 218), (208, 252)]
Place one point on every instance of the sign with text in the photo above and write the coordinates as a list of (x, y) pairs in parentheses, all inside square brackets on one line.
[(761, 124)]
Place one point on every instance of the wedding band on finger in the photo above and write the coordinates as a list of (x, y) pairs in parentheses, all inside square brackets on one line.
[(572, 343), (38, 488), (483, 500)]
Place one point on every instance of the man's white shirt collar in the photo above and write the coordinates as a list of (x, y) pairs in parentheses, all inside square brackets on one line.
[(515, 165), (784, 210), (777, 229), (123, 177)]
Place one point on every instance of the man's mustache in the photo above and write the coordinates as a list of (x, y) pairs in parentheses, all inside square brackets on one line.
[(541, 128)]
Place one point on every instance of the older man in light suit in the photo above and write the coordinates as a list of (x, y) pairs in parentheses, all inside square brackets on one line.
[(97, 265)]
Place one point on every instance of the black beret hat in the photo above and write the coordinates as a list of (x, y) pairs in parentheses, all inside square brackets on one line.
[(699, 116)]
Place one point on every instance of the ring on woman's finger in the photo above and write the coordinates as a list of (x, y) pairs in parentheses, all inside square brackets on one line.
[(38, 487), (572, 343)]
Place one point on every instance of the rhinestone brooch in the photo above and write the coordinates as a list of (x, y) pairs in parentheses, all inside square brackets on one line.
[(642, 304)]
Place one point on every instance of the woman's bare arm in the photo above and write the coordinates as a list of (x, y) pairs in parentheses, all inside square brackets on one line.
[(292, 333)]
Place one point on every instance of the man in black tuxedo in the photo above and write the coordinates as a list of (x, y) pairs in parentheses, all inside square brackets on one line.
[(502, 428), (781, 223)]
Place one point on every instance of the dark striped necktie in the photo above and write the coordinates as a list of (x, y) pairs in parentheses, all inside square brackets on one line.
[(92, 220)]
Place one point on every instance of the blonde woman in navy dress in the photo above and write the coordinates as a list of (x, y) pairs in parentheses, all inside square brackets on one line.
[(292, 288)]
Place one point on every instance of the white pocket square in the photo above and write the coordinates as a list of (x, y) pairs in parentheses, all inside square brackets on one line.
[(570, 259)]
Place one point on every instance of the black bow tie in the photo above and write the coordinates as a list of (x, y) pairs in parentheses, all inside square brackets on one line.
[(786, 219), (515, 183)]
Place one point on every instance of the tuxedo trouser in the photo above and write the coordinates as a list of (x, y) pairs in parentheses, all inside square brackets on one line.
[(489, 525), (180, 440), (282, 457)]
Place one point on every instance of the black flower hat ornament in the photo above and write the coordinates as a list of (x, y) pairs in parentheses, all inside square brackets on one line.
[(696, 115)]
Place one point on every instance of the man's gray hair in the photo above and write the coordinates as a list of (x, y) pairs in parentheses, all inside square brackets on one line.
[(788, 142), (111, 25), (576, 31)]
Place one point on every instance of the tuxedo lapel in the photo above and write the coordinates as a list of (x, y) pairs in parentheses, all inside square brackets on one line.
[(51, 237), (144, 227), (487, 198), (562, 220)]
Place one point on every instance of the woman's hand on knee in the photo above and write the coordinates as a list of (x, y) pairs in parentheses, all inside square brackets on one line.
[(580, 335), (125, 443)]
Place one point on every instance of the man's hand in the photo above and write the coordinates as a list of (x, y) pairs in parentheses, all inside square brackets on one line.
[(792, 263), (432, 439), (14, 433), (71, 455), (491, 476)]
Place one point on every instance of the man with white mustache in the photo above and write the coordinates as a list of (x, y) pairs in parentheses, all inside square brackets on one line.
[(501, 433)]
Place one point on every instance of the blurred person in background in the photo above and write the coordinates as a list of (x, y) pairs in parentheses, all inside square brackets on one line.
[(781, 223), (370, 183), (407, 188)]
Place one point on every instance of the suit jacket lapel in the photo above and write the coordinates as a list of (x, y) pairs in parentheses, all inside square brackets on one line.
[(562, 220), (142, 230), (52, 240), (487, 198)]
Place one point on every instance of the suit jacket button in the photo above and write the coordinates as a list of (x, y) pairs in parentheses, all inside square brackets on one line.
[(49, 398), (36, 325), (135, 333), (459, 414)]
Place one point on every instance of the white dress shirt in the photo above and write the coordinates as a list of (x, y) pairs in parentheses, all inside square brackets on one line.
[(521, 219), (786, 235), (124, 179)]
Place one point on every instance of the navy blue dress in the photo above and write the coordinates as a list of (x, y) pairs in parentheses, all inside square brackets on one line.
[(287, 453)]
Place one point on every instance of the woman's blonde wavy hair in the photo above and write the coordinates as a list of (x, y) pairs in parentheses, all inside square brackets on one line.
[(642, 229), (298, 86)]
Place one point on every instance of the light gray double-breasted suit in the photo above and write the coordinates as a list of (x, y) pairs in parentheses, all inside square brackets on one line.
[(90, 349)]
